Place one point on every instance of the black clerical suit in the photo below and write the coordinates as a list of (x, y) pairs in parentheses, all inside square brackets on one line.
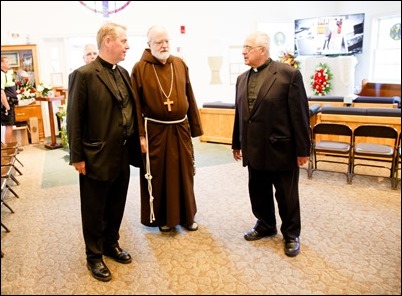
[(101, 122), (271, 135)]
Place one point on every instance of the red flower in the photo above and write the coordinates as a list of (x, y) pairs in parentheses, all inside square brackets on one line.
[(320, 80)]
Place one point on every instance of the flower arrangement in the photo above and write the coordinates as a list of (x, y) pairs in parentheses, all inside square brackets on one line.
[(321, 80), (45, 89), (25, 89), (289, 58)]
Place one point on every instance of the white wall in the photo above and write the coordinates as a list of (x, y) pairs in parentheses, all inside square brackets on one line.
[(211, 27)]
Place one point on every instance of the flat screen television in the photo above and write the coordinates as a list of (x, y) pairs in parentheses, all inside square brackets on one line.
[(330, 35)]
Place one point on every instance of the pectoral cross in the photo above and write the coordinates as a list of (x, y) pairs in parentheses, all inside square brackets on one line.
[(168, 102)]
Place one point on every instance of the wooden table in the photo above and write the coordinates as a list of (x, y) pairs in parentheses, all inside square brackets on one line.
[(49, 100)]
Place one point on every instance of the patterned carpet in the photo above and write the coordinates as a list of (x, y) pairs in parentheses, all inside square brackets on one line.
[(350, 241)]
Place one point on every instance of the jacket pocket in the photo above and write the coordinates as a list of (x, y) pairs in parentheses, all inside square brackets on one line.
[(275, 139)]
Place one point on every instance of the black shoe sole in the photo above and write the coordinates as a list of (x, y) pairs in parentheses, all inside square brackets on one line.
[(260, 236), (121, 261), (293, 254)]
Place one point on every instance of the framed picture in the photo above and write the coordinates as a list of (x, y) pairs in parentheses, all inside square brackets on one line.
[(57, 79), (13, 58), (282, 37)]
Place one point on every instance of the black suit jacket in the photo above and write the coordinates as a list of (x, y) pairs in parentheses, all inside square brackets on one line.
[(276, 130), (94, 121)]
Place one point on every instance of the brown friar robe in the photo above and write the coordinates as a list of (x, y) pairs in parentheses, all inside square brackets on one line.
[(164, 105)]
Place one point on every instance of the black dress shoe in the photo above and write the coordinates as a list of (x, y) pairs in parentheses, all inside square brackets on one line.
[(118, 254), (292, 246), (253, 234), (99, 271)]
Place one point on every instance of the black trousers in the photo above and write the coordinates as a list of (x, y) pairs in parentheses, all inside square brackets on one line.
[(286, 184), (102, 209), (8, 119)]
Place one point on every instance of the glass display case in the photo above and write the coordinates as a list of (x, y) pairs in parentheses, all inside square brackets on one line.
[(23, 57)]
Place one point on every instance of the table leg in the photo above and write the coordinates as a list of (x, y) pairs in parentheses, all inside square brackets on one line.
[(53, 144)]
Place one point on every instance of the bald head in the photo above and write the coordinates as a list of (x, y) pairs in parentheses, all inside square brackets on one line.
[(155, 32)]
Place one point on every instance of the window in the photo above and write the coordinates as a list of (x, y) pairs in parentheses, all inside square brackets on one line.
[(386, 65)]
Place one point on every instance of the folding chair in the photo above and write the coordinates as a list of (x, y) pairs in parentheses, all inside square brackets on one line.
[(7, 174), (398, 161), (376, 146), (7, 161), (4, 190), (11, 151), (331, 143)]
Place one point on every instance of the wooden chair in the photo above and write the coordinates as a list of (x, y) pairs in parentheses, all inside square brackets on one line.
[(9, 160), (11, 149)]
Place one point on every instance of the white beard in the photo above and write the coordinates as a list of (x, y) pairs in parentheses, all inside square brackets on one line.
[(161, 55)]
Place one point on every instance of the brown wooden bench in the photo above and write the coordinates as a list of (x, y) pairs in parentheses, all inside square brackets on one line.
[(377, 89), (217, 120)]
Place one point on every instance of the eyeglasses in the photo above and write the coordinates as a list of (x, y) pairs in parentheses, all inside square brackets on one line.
[(248, 48), (159, 43)]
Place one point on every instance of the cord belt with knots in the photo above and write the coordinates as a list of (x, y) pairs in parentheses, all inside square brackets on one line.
[(148, 175)]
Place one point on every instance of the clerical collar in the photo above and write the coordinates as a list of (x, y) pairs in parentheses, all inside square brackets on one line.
[(262, 66), (106, 64)]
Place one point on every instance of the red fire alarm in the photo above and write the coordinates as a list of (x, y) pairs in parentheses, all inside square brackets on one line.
[(182, 29)]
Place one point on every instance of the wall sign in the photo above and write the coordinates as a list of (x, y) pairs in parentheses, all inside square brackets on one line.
[(105, 8)]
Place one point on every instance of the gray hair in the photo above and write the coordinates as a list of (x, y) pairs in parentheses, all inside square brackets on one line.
[(261, 39)]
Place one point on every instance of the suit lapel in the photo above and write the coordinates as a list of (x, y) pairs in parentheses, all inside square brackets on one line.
[(269, 79), (243, 93), (105, 77)]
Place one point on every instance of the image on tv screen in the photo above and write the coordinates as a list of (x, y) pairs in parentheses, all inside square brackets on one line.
[(331, 35)]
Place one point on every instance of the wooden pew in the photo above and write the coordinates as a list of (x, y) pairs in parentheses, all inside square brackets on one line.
[(376, 89)]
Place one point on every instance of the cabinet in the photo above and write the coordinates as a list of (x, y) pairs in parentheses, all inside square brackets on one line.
[(217, 125), (23, 57), (23, 113)]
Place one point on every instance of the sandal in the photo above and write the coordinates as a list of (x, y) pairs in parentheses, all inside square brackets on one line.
[(165, 228), (192, 227)]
